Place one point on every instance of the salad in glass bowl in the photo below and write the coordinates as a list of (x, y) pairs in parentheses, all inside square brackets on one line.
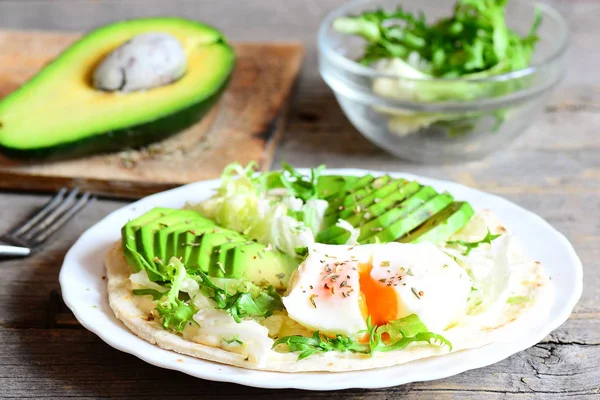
[(436, 85)]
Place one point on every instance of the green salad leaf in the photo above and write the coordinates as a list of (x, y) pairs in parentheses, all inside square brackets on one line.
[(472, 245), (156, 295), (175, 313), (395, 335), (473, 40), (258, 302)]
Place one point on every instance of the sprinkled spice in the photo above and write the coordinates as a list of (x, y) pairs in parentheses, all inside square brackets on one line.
[(383, 280), (421, 293), (311, 287), (414, 291), (334, 277), (385, 263), (312, 300), (409, 272), (344, 283)]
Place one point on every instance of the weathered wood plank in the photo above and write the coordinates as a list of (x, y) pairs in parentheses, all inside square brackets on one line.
[(546, 369)]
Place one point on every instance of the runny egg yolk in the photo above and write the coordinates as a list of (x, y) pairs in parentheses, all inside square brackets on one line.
[(376, 299)]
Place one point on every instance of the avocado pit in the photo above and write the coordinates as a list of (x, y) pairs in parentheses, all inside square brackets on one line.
[(146, 61)]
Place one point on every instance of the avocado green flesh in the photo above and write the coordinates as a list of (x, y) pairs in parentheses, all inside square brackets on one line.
[(165, 243), (404, 209), (81, 120), (375, 196), (328, 186), (389, 194), (163, 233), (354, 199), (200, 248), (151, 248), (442, 225), (336, 203), (128, 232), (412, 220)]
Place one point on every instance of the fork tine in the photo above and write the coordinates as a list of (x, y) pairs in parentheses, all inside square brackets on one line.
[(47, 208), (83, 201), (51, 216)]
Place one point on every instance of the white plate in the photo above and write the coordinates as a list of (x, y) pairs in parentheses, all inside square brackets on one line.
[(84, 291)]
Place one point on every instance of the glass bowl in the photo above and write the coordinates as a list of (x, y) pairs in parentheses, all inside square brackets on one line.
[(399, 113)]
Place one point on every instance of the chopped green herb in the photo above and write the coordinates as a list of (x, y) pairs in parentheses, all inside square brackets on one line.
[(398, 334), (414, 291)]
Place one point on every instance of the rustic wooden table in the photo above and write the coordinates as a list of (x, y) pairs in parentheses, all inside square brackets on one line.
[(553, 170)]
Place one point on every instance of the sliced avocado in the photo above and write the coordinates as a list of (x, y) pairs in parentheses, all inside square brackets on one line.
[(261, 266), (442, 225), (373, 226), (329, 186), (88, 120), (181, 239), (335, 204), (412, 220), (224, 267), (375, 196), (204, 255), (128, 232), (148, 246), (388, 196), (163, 250)]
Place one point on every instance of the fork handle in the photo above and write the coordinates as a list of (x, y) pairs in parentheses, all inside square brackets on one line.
[(14, 251)]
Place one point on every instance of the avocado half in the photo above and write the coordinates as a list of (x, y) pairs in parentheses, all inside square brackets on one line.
[(59, 114)]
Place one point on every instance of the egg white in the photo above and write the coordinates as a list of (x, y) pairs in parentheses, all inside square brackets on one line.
[(325, 291)]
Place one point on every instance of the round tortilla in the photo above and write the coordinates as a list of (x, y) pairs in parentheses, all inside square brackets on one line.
[(475, 335)]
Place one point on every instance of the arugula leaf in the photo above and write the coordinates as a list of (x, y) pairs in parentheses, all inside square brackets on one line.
[(154, 273), (472, 40), (243, 303), (395, 335), (472, 245), (175, 313), (156, 295)]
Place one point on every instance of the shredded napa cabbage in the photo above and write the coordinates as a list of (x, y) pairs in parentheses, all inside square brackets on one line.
[(267, 208)]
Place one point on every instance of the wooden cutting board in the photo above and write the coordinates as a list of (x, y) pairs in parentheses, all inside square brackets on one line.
[(245, 125)]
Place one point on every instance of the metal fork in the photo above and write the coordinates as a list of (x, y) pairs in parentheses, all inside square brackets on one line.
[(29, 236)]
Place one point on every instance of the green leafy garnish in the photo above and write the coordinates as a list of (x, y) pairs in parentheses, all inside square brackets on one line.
[(395, 335), (233, 340), (472, 245), (298, 185), (262, 303), (175, 313), (518, 300), (475, 39), (156, 295)]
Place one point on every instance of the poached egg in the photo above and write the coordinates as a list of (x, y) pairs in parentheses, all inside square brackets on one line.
[(337, 287)]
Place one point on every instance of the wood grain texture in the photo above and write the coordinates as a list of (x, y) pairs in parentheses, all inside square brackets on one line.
[(553, 170), (243, 126)]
